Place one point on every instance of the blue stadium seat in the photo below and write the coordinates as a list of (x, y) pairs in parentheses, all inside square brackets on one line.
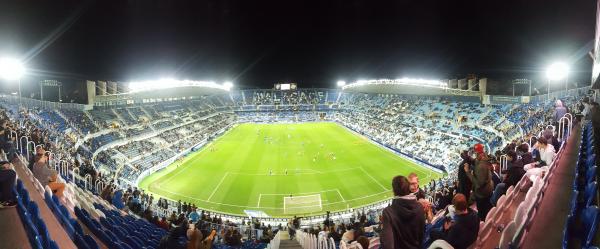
[(43, 232), (36, 243), (590, 193), (80, 242), (53, 245), (91, 242), (20, 186), (590, 175), (33, 210), (25, 198), (590, 224), (567, 231), (78, 229)]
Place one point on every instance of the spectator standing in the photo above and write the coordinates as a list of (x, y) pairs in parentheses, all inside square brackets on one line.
[(464, 182), (403, 221), (481, 177), (194, 216)]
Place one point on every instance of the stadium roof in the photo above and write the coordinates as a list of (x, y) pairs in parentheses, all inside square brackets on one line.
[(399, 86)]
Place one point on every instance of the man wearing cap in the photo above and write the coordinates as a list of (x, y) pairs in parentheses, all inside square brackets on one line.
[(481, 177)]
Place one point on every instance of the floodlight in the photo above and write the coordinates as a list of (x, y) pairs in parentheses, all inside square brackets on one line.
[(341, 83), (228, 85), (11, 69), (557, 71)]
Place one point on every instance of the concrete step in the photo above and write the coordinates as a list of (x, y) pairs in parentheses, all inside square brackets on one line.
[(290, 244)]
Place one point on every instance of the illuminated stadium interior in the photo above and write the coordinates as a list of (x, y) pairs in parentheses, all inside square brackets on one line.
[(225, 126)]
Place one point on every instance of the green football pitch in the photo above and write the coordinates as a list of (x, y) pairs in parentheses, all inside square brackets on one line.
[(284, 170)]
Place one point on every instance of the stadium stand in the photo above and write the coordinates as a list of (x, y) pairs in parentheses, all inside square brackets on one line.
[(102, 209)]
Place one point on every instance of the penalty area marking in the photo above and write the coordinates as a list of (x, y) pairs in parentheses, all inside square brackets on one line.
[(217, 187), (271, 208), (306, 193)]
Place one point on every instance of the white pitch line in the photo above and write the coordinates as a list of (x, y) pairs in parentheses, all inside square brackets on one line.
[(218, 185), (339, 193), (171, 177), (273, 208), (259, 197), (305, 193), (372, 178)]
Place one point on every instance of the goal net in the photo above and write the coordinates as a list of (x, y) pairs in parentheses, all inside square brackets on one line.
[(302, 204)]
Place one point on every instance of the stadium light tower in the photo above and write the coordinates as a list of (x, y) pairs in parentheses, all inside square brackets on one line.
[(12, 69), (341, 83), (557, 71)]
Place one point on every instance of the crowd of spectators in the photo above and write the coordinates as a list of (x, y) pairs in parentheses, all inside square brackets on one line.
[(477, 177)]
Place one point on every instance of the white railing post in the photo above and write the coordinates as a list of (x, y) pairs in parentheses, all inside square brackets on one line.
[(34, 147), (530, 142), (503, 163), (20, 143), (561, 128), (75, 173), (50, 155), (64, 168), (86, 179), (99, 185)]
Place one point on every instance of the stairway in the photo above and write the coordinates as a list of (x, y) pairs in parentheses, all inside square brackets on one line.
[(290, 244), (286, 242)]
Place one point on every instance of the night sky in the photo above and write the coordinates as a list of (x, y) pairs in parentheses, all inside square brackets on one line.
[(313, 43)]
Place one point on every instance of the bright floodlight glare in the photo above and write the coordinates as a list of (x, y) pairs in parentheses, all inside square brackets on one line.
[(11, 69), (341, 83), (228, 85), (557, 71)]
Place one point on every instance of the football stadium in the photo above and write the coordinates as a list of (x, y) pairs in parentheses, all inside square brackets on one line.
[(214, 126)]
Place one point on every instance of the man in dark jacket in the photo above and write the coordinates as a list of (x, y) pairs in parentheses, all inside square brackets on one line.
[(514, 173), (404, 220), (463, 229), (481, 177), (464, 183), (523, 152)]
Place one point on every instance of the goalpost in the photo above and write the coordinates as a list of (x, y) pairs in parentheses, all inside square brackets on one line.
[(302, 204)]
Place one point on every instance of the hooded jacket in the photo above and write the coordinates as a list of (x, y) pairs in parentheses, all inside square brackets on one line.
[(464, 183), (403, 224)]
